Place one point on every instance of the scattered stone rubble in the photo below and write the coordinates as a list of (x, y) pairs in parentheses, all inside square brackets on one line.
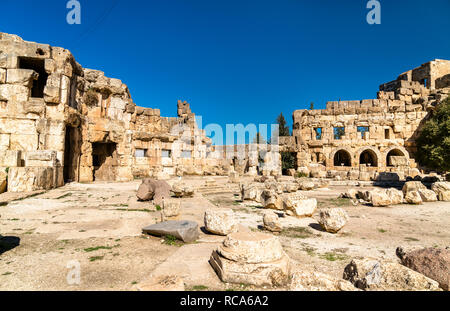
[(186, 231), (316, 281), (271, 222)]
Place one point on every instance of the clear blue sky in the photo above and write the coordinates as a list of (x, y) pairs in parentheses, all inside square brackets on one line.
[(241, 61)]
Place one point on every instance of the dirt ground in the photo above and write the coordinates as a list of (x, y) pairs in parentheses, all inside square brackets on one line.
[(100, 226)]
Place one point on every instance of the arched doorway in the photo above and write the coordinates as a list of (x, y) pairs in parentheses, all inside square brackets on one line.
[(394, 153), (369, 158), (342, 158)]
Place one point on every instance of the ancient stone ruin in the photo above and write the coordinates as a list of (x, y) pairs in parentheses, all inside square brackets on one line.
[(61, 122)]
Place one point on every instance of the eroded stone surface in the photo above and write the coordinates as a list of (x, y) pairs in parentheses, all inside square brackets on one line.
[(316, 281), (372, 274), (220, 221), (333, 220)]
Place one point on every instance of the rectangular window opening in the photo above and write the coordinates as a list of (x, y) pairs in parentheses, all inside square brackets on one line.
[(363, 130), (38, 65), (339, 132), (140, 153), (166, 153), (318, 131)]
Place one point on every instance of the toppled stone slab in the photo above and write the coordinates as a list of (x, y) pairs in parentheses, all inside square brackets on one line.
[(333, 220), (313, 281), (296, 204), (271, 199), (186, 231), (251, 192), (251, 258), (371, 274), (413, 186), (431, 262), (220, 221), (146, 190)]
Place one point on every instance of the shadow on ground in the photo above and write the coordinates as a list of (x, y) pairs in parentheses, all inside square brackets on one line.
[(8, 243)]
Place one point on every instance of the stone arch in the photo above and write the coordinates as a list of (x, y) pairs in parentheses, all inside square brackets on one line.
[(369, 155), (342, 156), (396, 151)]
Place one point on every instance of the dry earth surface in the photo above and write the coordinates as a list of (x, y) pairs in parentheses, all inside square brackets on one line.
[(99, 225)]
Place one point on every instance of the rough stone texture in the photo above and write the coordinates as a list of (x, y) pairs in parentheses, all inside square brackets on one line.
[(306, 185), (181, 190), (313, 281), (171, 208), (395, 195), (272, 222), (251, 192), (186, 231), (413, 186), (380, 198), (220, 221), (371, 274), (251, 258), (431, 262), (333, 220), (170, 283), (413, 197), (272, 200), (428, 195), (162, 192), (298, 205), (442, 189), (146, 190), (251, 247)]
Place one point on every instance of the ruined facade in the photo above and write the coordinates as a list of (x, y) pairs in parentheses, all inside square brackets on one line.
[(364, 139), (60, 122)]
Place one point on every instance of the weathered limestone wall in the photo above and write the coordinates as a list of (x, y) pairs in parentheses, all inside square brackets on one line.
[(378, 134), (59, 121)]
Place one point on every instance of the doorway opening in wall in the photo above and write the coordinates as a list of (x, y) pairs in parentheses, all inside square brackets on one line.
[(70, 155), (38, 65), (288, 161), (104, 159), (342, 158), (393, 154), (369, 158)]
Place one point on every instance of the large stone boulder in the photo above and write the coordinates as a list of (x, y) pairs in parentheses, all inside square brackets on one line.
[(431, 262), (371, 274), (146, 190), (442, 190), (162, 191), (313, 281), (413, 186), (413, 197), (186, 231), (220, 221), (271, 199), (3, 181), (272, 222), (380, 198), (251, 258), (428, 195), (251, 192), (296, 204), (333, 220), (305, 185), (395, 195), (181, 190)]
